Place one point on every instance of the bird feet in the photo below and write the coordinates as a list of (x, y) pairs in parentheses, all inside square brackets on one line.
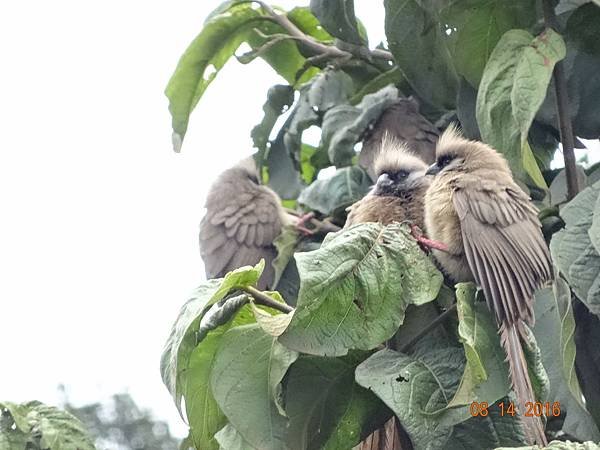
[(425, 243), (302, 222)]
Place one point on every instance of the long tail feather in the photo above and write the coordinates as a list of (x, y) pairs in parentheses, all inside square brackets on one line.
[(521, 383)]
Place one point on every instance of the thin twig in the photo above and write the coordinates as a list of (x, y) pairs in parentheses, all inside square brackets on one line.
[(263, 299), (562, 107), (316, 46), (433, 324)]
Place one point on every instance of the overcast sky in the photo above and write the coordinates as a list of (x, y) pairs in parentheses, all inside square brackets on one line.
[(98, 236)]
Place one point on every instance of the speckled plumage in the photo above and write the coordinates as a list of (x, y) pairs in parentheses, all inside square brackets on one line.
[(494, 238)]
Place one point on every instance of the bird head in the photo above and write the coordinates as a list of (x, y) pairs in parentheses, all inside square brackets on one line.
[(454, 153), (246, 171), (398, 170)]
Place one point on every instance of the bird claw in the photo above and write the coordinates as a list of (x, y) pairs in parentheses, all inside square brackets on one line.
[(427, 243), (301, 224)]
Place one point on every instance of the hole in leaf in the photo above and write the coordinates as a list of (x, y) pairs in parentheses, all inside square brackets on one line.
[(358, 304), (401, 379), (209, 72)]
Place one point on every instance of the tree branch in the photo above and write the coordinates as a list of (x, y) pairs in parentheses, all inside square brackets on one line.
[(261, 298), (433, 324), (562, 107), (316, 46)]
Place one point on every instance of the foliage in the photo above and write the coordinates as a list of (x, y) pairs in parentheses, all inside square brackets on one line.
[(121, 424), (35, 426), (255, 376)]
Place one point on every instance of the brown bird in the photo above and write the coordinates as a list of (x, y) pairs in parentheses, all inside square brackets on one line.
[(396, 197), (401, 121), (494, 238), (242, 220), (399, 191)]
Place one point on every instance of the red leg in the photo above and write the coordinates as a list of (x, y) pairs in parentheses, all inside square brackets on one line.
[(425, 242), (301, 224)]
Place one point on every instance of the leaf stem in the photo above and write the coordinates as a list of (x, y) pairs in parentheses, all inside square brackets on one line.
[(263, 299), (562, 107), (433, 324)]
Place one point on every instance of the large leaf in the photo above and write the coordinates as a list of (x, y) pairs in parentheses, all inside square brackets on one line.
[(279, 98), (327, 409), (573, 249), (479, 26), (485, 378), (344, 125), (332, 195), (356, 287), (337, 17), (554, 330), (513, 86), (223, 32), (582, 36), (45, 426), (245, 381), (185, 365), (418, 387), (420, 47)]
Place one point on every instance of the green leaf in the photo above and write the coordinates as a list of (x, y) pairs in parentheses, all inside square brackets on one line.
[(46, 426), (335, 412), (279, 98), (558, 187), (333, 195), (356, 287), (185, 366), (554, 331), (485, 378), (272, 324), (225, 29), (512, 89), (415, 388), (418, 387), (344, 125), (479, 26), (229, 439), (573, 250), (328, 89), (245, 381), (420, 47), (338, 18), (302, 117), (304, 19), (285, 244)]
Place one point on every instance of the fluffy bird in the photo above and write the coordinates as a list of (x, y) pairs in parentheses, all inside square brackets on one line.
[(403, 122), (398, 194), (494, 238), (242, 220)]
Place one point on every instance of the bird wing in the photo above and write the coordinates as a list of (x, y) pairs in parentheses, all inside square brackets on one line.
[(504, 246), (239, 230)]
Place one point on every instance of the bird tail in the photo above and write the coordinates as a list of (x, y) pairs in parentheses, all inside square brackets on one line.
[(521, 383)]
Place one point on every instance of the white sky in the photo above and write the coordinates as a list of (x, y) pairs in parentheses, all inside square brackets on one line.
[(98, 236)]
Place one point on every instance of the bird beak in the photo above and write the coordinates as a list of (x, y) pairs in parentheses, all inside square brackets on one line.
[(383, 180), (433, 170)]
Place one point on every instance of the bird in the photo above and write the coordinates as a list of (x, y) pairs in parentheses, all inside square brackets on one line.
[(398, 193), (494, 238), (402, 121), (397, 196), (243, 218)]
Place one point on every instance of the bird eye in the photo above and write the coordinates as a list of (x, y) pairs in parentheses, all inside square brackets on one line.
[(402, 174), (444, 160)]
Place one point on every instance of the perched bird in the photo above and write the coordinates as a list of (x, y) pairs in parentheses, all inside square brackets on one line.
[(242, 220), (494, 238), (398, 194), (403, 122)]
